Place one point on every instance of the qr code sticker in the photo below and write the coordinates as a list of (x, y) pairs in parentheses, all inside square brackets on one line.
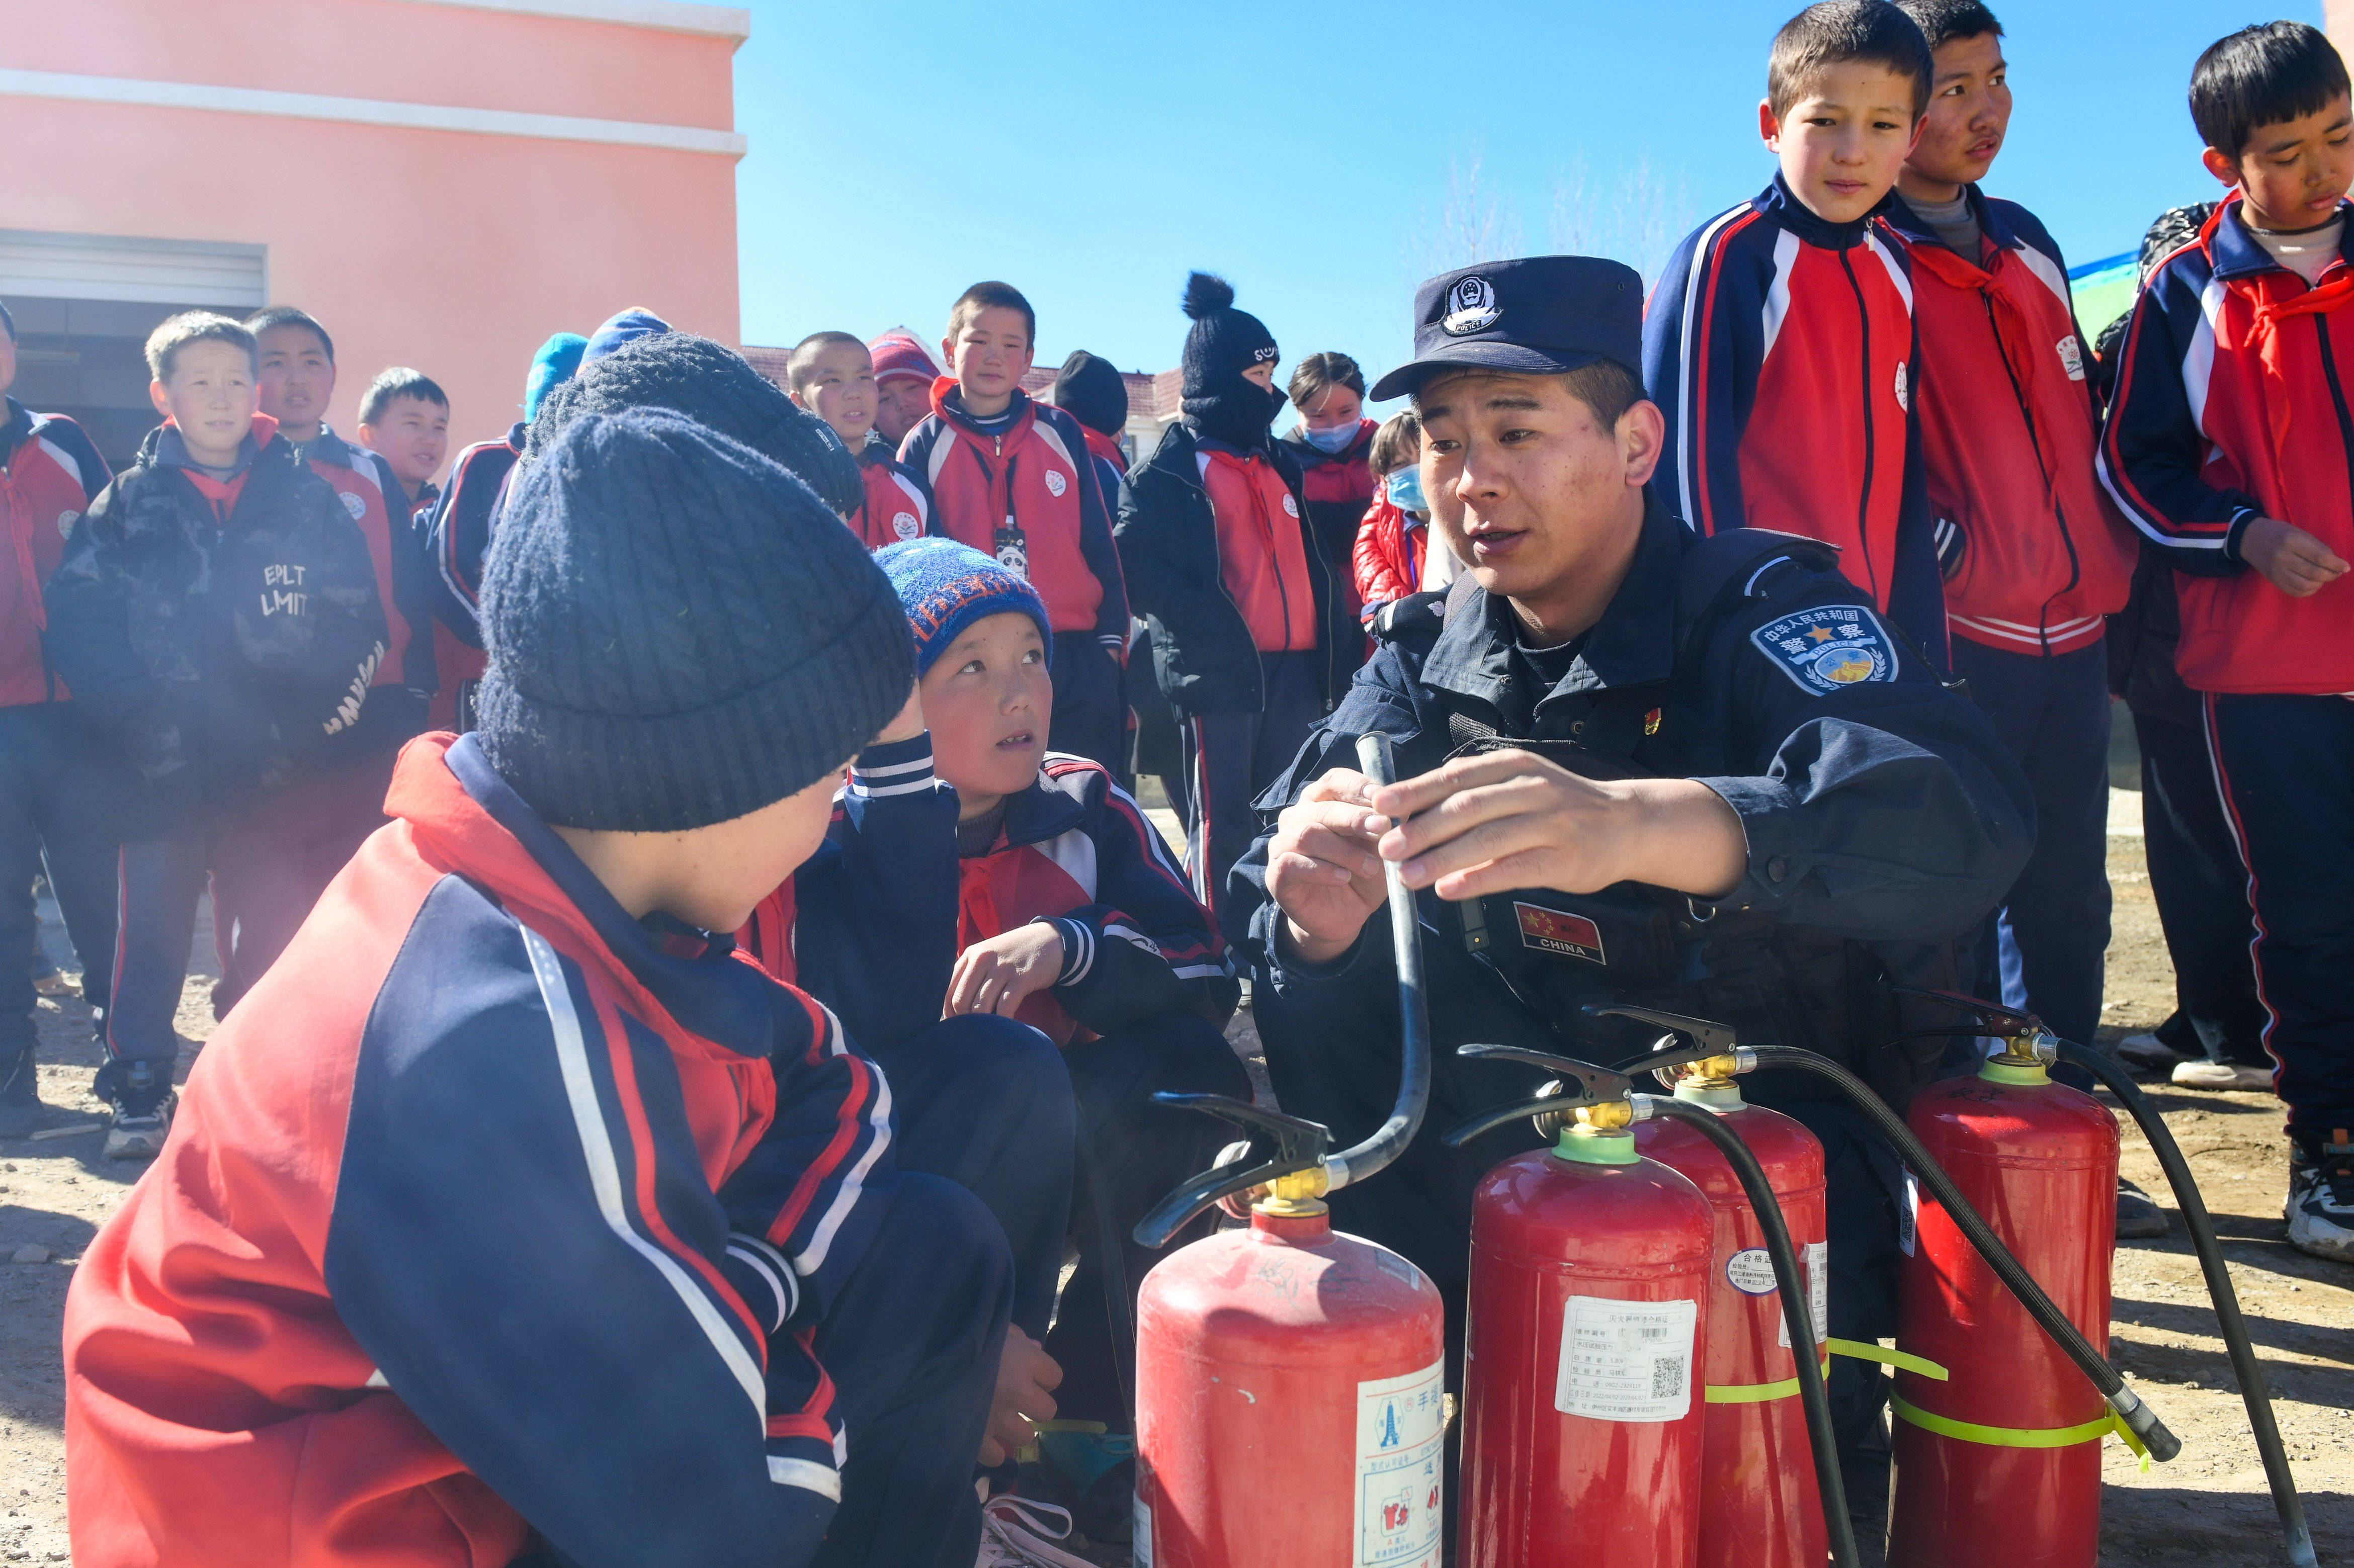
[(1668, 1377)]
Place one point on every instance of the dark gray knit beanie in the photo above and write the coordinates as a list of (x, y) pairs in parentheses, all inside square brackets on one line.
[(716, 387), (679, 631)]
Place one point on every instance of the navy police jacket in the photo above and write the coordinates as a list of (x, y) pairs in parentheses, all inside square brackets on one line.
[(1879, 805)]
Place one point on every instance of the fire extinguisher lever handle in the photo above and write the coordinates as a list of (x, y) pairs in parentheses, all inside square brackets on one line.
[(1995, 1017), (1600, 1085), (1300, 1145), (1711, 1038)]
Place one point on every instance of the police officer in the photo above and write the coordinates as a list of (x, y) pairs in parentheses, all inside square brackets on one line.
[(1635, 767)]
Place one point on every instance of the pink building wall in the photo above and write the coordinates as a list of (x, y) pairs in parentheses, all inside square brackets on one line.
[(454, 251)]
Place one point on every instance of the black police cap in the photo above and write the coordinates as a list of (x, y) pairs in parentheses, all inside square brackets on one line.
[(1538, 316)]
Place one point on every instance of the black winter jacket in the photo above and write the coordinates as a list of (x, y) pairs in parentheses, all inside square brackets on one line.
[(1202, 653), (219, 652)]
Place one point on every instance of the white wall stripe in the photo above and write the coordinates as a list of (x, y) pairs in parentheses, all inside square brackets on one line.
[(655, 15), (605, 1175), (366, 112)]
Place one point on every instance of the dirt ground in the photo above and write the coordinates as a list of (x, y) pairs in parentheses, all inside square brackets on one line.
[(2210, 1508)]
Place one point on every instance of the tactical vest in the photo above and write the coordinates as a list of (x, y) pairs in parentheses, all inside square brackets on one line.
[(1632, 944)]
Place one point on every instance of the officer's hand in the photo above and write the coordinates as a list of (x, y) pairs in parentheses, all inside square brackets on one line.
[(2291, 559), (1510, 819), (1322, 870), (999, 974)]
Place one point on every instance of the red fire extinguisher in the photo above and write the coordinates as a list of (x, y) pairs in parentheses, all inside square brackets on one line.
[(1759, 1506), (2000, 1467), (1592, 1320), (1290, 1379)]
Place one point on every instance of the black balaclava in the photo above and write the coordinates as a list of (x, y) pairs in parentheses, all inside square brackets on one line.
[(1224, 342)]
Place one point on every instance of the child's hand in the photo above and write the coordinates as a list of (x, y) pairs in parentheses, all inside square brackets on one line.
[(997, 975), (2291, 559), (1025, 1376), (909, 723)]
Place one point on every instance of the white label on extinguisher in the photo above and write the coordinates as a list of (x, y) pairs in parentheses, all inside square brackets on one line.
[(1908, 1214), (1626, 1361), (1816, 1266), (1400, 1427), (1140, 1541)]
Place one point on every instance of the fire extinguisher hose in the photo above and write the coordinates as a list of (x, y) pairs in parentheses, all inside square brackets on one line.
[(2195, 1219), (1813, 1397), (2163, 1445), (1390, 1140)]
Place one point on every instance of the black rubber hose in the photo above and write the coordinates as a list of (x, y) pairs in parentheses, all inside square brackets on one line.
[(2245, 1367), (1813, 1396), (1390, 1140), (2163, 1445)]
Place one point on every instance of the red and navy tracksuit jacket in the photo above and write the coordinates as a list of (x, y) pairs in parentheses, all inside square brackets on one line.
[(1338, 487), (2036, 556), (2231, 404), (874, 921), (1038, 471), (50, 473), (457, 535), (893, 506), (1077, 851), (399, 697), (489, 1211), (868, 922), (1782, 349)]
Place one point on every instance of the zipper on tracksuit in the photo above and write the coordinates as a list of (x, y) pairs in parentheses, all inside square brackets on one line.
[(2336, 394), (1863, 502), (2042, 465)]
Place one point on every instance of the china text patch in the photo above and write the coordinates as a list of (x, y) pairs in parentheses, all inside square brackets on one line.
[(1823, 650)]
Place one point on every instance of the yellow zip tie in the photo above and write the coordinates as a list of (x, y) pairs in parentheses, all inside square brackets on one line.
[(2022, 1436), (1857, 1349), (1904, 1361)]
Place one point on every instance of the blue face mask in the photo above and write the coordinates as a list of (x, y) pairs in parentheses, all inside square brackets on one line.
[(1334, 441), (1405, 489)]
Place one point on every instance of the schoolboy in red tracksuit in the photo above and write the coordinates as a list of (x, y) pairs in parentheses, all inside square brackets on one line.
[(2035, 556), (458, 531), (1060, 907), (1014, 480), (704, 1319), (339, 800), (1779, 341), (2229, 443), (57, 788), (831, 374)]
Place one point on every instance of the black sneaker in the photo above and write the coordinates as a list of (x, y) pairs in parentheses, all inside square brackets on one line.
[(144, 1102), (2139, 1217), (2321, 1207), (22, 1113)]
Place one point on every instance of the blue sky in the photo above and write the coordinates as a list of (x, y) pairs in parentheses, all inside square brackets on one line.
[(1325, 157)]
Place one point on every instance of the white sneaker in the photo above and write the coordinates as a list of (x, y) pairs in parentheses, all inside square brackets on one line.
[(2146, 1052), (2321, 1207), (1010, 1536), (140, 1137), (2221, 1075)]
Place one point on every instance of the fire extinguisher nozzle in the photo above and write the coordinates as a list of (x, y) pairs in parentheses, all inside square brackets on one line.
[(2162, 1444)]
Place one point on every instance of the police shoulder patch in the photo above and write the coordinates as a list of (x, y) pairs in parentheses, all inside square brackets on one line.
[(1831, 646)]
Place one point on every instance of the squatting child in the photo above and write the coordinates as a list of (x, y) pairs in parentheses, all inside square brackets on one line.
[(704, 1318)]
